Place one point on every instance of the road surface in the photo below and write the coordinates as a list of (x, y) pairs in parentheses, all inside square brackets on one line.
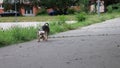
[(95, 46)]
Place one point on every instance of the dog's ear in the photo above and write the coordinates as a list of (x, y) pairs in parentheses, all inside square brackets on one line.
[(46, 24)]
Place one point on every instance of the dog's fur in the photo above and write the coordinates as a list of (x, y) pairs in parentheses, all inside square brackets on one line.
[(46, 28), (41, 35)]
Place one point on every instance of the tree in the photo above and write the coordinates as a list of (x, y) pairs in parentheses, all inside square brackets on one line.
[(10, 4), (84, 4), (61, 6), (7, 4)]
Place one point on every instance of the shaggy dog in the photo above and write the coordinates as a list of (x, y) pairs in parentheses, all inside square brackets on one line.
[(43, 32), (41, 35)]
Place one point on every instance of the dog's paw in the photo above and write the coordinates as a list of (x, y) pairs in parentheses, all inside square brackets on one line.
[(45, 40)]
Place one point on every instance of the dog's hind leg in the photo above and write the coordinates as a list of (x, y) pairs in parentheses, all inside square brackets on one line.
[(44, 37), (38, 38)]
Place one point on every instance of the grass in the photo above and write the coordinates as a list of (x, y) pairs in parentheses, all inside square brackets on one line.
[(55, 18), (34, 19), (17, 34)]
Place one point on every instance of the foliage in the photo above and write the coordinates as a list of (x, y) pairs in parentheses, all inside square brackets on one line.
[(116, 7), (71, 11), (42, 11), (110, 9), (10, 5), (60, 6), (34, 2), (84, 5), (113, 8), (81, 16), (56, 28), (59, 26)]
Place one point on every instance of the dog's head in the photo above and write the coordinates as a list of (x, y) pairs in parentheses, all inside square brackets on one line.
[(46, 24), (41, 33)]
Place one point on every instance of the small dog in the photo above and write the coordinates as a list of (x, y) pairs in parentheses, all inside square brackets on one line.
[(43, 32), (41, 35)]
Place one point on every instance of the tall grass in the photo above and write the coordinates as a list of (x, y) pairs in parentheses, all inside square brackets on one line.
[(34, 19), (16, 35), (60, 25)]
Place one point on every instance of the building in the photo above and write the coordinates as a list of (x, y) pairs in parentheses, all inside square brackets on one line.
[(103, 4), (28, 9), (1, 6), (24, 7)]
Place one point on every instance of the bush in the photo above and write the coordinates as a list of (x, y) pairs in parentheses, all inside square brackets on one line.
[(42, 11), (109, 9), (71, 11), (81, 16), (114, 7)]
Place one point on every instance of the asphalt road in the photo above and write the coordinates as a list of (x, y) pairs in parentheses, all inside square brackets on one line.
[(95, 46)]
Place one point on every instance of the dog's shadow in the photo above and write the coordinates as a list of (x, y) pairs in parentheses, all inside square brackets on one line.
[(48, 41)]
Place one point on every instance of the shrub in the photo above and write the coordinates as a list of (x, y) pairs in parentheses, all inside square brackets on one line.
[(71, 11), (42, 11), (109, 9), (81, 16), (114, 7)]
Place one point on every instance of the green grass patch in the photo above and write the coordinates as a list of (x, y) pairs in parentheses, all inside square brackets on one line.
[(36, 18), (17, 35)]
